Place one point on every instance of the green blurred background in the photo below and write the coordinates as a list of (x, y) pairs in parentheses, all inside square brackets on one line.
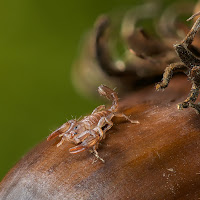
[(38, 43)]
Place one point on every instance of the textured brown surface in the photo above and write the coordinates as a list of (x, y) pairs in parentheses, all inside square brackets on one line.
[(155, 160)]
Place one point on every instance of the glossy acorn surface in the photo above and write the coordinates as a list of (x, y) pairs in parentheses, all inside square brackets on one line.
[(155, 160)]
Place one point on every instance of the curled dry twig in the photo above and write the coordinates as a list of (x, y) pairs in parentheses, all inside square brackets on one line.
[(190, 65), (145, 56)]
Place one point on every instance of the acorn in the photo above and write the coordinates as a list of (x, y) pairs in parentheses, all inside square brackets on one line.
[(155, 160)]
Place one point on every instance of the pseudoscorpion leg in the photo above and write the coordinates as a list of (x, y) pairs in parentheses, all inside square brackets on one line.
[(126, 117)]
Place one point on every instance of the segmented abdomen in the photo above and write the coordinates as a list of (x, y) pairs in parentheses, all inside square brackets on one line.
[(91, 121)]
